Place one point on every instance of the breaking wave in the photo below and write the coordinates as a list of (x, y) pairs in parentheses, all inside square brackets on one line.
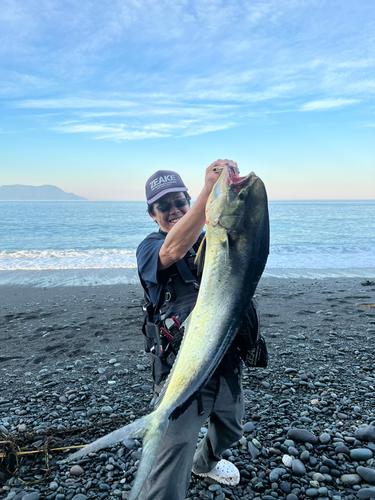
[(38, 260)]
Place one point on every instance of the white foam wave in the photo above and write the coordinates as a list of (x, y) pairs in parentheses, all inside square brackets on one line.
[(291, 273), (70, 277), (321, 256), (100, 258)]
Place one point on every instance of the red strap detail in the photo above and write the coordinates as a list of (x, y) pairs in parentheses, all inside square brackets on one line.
[(166, 333), (178, 324)]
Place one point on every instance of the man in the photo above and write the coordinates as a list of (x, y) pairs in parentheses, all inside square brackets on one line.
[(168, 274)]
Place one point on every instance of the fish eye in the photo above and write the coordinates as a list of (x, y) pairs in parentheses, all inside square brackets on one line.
[(241, 195)]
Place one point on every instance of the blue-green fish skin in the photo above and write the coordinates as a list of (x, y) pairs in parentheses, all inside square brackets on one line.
[(237, 247)]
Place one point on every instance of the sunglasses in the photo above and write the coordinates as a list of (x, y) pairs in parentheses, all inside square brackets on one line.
[(165, 207)]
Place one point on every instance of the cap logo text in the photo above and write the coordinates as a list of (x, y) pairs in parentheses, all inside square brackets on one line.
[(162, 181)]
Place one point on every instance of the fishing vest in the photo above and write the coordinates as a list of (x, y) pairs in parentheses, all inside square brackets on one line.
[(163, 335), (162, 323)]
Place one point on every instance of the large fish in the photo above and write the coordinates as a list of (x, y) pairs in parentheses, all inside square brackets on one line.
[(236, 250)]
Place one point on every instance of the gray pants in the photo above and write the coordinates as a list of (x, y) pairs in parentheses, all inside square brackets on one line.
[(177, 455)]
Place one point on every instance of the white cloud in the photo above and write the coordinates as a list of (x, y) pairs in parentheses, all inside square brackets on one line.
[(124, 132), (327, 104), (73, 103), (114, 132)]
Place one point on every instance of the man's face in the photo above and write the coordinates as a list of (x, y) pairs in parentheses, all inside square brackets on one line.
[(166, 214)]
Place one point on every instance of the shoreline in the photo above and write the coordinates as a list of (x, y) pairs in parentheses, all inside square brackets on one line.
[(129, 276)]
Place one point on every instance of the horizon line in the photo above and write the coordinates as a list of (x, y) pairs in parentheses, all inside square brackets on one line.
[(144, 201)]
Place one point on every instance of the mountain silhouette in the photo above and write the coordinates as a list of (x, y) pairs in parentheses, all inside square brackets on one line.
[(19, 192)]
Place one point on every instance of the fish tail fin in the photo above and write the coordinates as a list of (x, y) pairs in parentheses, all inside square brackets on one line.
[(135, 429), (155, 432)]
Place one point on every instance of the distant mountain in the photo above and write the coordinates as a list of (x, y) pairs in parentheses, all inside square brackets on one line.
[(19, 192)]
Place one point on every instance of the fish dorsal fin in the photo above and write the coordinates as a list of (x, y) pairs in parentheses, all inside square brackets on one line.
[(199, 258), (185, 324)]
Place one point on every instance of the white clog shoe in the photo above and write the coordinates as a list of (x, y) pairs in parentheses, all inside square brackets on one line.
[(224, 472)]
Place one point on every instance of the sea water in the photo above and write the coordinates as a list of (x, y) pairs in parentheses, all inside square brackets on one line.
[(92, 243)]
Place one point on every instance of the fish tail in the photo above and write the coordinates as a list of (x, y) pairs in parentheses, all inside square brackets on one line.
[(156, 430), (135, 429)]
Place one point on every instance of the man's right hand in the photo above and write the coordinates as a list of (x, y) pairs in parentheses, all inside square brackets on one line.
[(212, 176), (185, 233)]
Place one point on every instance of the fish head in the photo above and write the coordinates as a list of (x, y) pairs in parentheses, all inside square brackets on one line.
[(229, 200)]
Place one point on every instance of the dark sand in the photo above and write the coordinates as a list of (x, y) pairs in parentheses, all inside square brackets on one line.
[(62, 341)]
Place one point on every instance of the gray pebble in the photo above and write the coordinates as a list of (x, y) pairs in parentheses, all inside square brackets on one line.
[(214, 487), (361, 454), (366, 433), (293, 451), (312, 492), (365, 493), (253, 450), (35, 495), (206, 495), (298, 468), (329, 463), (289, 442), (275, 474), (76, 470), (324, 438), (317, 476), (341, 448), (19, 495), (106, 409), (350, 479), (285, 487), (367, 473), (220, 495), (302, 436), (92, 412), (248, 427)]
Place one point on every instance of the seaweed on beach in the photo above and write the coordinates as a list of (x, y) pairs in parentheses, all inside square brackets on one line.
[(32, 451)]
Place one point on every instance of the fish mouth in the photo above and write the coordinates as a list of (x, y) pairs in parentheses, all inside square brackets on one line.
[(235, 180)]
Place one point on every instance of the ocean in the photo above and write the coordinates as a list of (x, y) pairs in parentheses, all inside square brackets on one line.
[(94, 243)]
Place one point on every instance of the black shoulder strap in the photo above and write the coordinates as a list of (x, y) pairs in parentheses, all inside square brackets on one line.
[(185, 272), (182, 268)]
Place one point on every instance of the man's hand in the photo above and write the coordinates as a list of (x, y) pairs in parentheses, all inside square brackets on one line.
[(185, 233), (212, 175)]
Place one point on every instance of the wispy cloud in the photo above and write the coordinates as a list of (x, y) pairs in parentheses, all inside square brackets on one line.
[(115, 132), (123, 132), (73, 103), (325, 104)]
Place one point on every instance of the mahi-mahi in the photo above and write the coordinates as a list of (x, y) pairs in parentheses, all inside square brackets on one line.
[(235, 252)]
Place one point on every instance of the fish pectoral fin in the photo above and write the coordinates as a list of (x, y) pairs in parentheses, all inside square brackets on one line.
[(199, 258), (225, 244)]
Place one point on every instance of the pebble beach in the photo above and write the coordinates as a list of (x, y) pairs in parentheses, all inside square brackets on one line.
[(72, 369)]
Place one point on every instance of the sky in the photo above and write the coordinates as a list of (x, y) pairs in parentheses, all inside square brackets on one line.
[(95, 96)]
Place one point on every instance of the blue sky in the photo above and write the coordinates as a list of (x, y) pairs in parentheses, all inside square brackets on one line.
[(97, 95)]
